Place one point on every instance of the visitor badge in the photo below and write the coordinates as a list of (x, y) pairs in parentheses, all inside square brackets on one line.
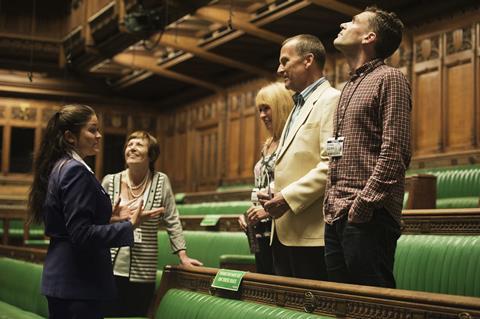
[(137, 235), (334, 146)]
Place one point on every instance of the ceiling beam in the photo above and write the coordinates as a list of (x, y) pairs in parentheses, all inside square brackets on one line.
[(150, 64), (283, 10), (240, 21), (187, 44), (338, 6)]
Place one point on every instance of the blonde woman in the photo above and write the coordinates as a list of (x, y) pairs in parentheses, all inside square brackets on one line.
[(274, 104)]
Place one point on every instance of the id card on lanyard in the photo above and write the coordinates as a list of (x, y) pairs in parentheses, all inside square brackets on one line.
[(334, 146)]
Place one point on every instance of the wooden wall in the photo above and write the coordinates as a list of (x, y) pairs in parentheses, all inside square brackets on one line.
[(33, 114), (445, 81), (216, 141), (213, 142)]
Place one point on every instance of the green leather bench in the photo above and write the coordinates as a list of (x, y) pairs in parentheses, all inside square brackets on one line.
[(34, 232), (448, 264), (204, 246), (20, 290), (184, 304), (457, 186), (20, 298), (16, 231), (214, 208)]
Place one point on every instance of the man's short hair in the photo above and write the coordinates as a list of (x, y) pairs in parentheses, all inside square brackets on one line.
[(307, 43), (388, 28)]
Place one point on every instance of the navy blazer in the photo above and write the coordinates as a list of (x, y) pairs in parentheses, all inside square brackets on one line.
[(77, 213)]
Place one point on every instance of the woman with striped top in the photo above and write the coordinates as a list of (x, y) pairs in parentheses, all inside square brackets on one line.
[(135, 267)]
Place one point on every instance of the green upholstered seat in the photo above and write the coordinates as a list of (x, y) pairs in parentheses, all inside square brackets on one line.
[(214, 208), (238, 259), (179, 198), (204, 246), (8, 311), (439, 263), (15, 230), (181, 304), (20, 288), (457, 186)]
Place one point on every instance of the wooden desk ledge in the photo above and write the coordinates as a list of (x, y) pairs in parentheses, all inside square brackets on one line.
[(325, 298), (36, 255), (460, 221)]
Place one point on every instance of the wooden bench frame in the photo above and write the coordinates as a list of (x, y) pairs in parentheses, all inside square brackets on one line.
[(13, 212), (324, 298), (464, 221), (460, 221), (214, 196), (36, 255)]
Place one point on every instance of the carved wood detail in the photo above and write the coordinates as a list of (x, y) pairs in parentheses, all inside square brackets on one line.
[(115, 120), (47, 114), (325, 298), (441, 221), (145, 122), (427, 49), (459, 40), (43, 50), (2, 111), (24, 113)]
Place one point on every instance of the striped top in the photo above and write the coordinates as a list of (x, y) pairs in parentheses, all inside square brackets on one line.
[(143, 256)]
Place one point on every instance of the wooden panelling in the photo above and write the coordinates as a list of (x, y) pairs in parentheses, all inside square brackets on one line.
[(477, 86), (427, 111), (245, 133), (216, 140), (249, 143), (459, 89), (233, 147), (206, 158)]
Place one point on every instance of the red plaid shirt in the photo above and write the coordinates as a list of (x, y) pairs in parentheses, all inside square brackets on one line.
[(373, 116)]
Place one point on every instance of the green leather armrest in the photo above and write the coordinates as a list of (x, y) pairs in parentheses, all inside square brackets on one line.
[(237, 259), (214, 208)]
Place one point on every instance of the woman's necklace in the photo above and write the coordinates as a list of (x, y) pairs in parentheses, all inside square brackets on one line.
[(142, 186)]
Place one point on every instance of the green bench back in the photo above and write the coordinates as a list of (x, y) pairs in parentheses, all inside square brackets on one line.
[(214, 208), (203, 245), (181, 304), (457, 186), (20, 285), (439, 263)]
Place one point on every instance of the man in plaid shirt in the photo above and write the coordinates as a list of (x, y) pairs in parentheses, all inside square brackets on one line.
[(369, 153)]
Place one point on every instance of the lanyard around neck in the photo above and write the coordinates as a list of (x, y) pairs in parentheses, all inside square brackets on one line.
[(340, 120)]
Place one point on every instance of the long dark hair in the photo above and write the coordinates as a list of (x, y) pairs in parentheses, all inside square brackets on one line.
[(53, 147)]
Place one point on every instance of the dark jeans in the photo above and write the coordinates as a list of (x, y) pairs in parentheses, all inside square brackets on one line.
[(363, 253), (264, 258), (74, 309), (299, 262), (133, 299)]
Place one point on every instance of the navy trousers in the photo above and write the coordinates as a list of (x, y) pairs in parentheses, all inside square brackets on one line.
[(297, 261), (74, 309), (363, 253)]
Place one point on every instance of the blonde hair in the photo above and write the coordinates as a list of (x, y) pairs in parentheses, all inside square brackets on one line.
[(279, 99)]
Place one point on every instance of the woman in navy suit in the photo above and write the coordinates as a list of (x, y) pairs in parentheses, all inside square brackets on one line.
[(76, 211)]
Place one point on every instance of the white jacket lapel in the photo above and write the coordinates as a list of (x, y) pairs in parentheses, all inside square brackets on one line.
[(302, 117)]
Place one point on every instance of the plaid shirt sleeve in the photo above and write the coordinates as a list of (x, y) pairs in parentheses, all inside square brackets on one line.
[(394, 109)]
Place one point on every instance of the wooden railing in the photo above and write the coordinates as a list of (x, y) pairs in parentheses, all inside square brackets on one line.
[(324, 298)]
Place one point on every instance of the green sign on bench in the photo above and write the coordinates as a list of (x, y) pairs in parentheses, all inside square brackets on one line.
[(210, 220), (228, 279)]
